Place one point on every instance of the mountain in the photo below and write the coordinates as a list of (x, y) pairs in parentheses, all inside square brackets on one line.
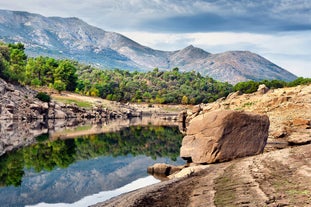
[(73, 38)]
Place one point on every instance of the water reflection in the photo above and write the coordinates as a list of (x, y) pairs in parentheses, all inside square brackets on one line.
[(16, 134), (60, 169)]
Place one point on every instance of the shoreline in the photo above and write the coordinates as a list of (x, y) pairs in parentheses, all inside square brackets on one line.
[(203, 188)]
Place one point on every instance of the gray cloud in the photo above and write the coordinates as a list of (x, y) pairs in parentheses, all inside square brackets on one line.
[(179, 15), (238, 16), (179, 22)]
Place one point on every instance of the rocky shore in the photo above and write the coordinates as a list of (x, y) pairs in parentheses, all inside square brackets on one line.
[(280, 176), (23, 117), (276, 173), (19, 103)]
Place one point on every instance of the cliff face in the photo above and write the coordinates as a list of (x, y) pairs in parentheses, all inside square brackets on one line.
[(75, 39)]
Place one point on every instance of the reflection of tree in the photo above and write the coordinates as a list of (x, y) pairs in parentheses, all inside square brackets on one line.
[(153, 141), (48, 155), (11, 169)]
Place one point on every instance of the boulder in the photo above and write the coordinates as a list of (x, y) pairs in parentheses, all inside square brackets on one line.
[(219, 136), (188, 171), (163, 169), (299, 138), (262, 89), (58, 114), (233, 95)]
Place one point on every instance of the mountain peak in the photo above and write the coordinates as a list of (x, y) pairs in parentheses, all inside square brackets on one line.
[(193, 51), (75, 39)]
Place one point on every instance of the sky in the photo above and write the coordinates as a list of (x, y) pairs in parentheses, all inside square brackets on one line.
[(279, 30)]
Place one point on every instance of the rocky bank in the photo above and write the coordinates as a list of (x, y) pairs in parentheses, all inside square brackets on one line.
[(23, 117), (280, 176), (19, 103)]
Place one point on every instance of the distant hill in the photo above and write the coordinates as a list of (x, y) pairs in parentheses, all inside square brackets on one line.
[(73, 38)]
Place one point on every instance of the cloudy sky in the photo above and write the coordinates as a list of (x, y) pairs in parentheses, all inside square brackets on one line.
[(279, 30)]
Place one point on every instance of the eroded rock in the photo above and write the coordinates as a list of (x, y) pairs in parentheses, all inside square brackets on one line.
[(224, 135), (163, 169)]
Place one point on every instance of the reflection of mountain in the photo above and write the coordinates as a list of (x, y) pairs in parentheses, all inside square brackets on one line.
[(85, 165), (77, 181)]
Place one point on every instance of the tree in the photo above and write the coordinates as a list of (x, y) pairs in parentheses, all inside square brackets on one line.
[(176, 70), (66, 73), (59, 86), (184, 100), (4, 58), (246, 87), (17, 63), (147, 96)]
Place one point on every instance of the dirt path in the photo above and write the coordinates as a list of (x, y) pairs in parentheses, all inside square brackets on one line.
[(273, 179)]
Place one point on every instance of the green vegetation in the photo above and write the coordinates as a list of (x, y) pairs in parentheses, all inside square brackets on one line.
[(151, 87), (67, 100), (252, 86), (118, 85), (152, 141), (42, 96)]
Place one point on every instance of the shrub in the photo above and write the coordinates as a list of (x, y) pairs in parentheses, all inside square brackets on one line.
[(42, 96)]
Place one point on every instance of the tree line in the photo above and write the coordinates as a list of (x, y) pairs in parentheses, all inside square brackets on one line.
[(118, 85), (164, 87), (252, 86)]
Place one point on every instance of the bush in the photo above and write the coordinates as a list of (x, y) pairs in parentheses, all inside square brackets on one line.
[(246, 87), (42, 96)]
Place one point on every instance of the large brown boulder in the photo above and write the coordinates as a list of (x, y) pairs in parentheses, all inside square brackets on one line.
[(219, 136)]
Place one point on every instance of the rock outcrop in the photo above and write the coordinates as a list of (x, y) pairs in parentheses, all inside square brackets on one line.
[(278, 177), (224, 135), (289, 111), (19, 103)]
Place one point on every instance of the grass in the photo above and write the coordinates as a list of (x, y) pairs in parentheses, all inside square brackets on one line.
[(79, 103)]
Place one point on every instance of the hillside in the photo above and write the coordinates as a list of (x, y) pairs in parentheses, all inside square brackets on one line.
[(73, 38), (278, 177)]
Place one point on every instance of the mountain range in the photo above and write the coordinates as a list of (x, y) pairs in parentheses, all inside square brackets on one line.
[(75, 39)]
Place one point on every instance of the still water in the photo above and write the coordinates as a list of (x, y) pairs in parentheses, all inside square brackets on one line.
[(85, 169)]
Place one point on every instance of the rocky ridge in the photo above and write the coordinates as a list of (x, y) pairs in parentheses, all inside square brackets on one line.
[(74, 39)]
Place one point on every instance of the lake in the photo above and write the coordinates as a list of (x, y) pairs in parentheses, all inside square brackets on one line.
[(74, 167)]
